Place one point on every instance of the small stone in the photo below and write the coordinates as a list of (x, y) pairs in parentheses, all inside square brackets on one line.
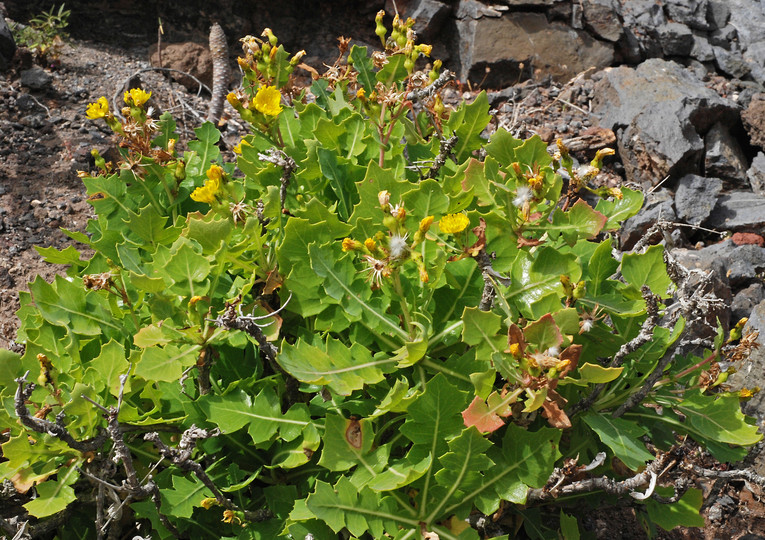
[(730, 62), (34, 203), (744, 238), (676, 39), (36, 78)]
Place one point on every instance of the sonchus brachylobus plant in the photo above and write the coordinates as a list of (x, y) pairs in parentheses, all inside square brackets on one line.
[(377, 323)]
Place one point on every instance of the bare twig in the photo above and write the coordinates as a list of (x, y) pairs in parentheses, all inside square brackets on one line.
[(428, 91), (288, 165), (447, 145), (605, 484), (181, 457), (41, 425)]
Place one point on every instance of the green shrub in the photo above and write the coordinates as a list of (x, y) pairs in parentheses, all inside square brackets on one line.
[(376, 322), (44, 33)]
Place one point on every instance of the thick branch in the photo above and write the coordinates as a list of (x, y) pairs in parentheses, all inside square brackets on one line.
[(288, 165), (41, 425), (447, 145), (181, 457), (428, 91)]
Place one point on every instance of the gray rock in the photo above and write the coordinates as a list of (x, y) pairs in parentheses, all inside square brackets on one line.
[(718, 13), (695, 197), (429, 16), (730, 62), (740, 265), (702, 49), (738, 211), (657, 111), (746, 300), (724, 157), (36, 78), (748, 17), (676, 39), (602, 18), (7, 45), (754, 57), (692, 13), (529, 3), (658, 205), (725, 37), (503, 43), (756, 174)]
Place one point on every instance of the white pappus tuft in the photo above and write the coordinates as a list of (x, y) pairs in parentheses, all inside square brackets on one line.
[(398, 246), (522, 195)]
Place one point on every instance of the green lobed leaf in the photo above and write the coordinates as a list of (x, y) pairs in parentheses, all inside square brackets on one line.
[(334, 364), (622, 437), (647, 268), (619, 210), (345, 442), (718, 418), (686, 512), (467, 122), (186, 494)]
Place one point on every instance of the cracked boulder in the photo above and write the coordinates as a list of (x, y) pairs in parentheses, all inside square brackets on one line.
[(659, 112), (497, 48)]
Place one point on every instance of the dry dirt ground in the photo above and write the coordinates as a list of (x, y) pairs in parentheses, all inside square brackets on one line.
[(45, 139)]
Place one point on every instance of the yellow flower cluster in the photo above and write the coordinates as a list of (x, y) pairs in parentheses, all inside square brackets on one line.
[(99, 109), (267, 101), (453, 223), (206, 193), (136, 97)]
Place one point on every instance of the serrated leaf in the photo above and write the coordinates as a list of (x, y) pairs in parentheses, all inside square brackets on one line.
[(149, 225), (467, 122), (622, 437), (205, 147), (209, 231), (261, 414), (543, 333), (502, 147), (105, 370), (53, 496), (594, 374), (340, 280), (346, 441), (718, 418), (537, 275), (334, 364), (647, 268), (364, 67), (70, 255), (186, 494), (619, 210), (686, 512), (166, 364), (399, 474), (479, 415), (579, 222), (481, 329)]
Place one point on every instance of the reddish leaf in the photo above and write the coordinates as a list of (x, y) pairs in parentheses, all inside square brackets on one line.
[(478, 414), (553, 411)]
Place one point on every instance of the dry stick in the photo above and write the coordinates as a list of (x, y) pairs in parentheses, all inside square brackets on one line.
[(428, 91), (288, 165), (738, 474), (221, 72), (645, 335), (41, 425), (181, 457), (603, 483), (447, 145)]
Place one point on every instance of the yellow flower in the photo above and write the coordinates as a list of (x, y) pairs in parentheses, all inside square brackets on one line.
[(361, 94), (425, 224), (453, 223), (267, 101), (215, 174), (349, 244), (370, 244), (136, 97), (206, 193), (99, 109), (209, 503)]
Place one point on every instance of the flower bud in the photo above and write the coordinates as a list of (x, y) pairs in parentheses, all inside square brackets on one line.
[(384, 198)]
